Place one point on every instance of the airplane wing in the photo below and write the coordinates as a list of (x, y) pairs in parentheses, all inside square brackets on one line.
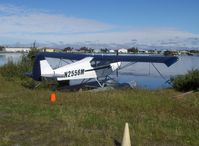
[(167, 60)]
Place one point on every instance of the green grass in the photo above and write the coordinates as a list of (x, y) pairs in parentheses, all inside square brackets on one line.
[(90, 119)]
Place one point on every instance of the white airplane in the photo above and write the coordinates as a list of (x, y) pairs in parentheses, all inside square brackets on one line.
[(88, 66), (81, 69)]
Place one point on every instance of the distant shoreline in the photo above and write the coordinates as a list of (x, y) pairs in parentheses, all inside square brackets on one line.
[(5, 52)]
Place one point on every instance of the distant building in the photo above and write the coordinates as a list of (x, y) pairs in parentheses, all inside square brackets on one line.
[(74, 51), (122, 50), (152, 51), (48, 50), (16, 49), (96, 51), (140, 51), (111, 51), (183, 52)]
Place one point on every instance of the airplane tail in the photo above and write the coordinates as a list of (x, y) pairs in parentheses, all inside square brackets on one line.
[(46, 70)]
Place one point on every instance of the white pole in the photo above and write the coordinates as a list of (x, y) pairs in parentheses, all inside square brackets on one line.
[(126, 141)]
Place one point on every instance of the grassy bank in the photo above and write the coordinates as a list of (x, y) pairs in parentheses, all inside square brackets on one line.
[(84, 118)]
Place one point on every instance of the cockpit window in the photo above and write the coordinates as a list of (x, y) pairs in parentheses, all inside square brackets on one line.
[(99, 63)]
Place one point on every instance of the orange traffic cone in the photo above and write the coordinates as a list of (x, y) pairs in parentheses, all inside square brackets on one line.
[(52, 97)]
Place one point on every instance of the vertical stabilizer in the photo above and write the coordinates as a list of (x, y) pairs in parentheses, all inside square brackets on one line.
[(46, 70)]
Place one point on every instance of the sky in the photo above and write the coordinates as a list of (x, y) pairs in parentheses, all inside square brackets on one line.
[(100, 23)]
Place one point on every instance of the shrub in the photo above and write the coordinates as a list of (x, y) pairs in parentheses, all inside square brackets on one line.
[(7, 69), (187, 82)]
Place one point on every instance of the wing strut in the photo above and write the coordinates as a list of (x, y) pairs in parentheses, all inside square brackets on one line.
[(167, 81)]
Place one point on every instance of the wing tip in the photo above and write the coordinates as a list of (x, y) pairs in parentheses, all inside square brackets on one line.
[(171, 61)]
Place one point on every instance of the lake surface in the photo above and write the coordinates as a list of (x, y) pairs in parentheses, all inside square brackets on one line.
[(144, 74), (5, 57)]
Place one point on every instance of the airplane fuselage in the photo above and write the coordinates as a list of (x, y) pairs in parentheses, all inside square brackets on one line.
[(81, 69)]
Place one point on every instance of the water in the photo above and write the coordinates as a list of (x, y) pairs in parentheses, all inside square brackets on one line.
[(144, 74), (5, 57)]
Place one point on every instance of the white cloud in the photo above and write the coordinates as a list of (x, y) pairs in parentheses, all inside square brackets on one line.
[(20, 20), (22, 25), (45, 23)]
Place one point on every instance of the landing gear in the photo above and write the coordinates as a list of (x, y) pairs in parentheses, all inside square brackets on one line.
[(64, 83)]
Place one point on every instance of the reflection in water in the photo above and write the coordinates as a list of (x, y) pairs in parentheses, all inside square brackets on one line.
[(144, 74), (2, 59), (5, 57)]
